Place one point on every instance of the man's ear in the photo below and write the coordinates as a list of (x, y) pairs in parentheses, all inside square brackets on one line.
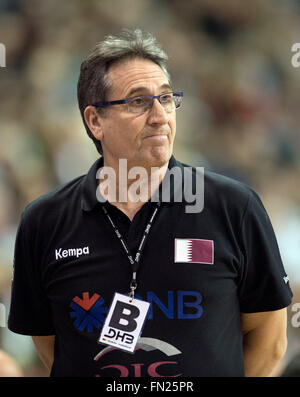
[(94, 121)]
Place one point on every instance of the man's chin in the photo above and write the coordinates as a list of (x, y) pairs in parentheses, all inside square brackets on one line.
[(156, 158)]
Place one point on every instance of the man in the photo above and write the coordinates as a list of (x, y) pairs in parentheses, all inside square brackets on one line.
[(214, 277)]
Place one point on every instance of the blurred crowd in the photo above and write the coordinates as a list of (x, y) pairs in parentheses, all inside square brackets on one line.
[(240, 114)]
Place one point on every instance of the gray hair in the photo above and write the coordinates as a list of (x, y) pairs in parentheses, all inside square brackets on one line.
[(93, 83)]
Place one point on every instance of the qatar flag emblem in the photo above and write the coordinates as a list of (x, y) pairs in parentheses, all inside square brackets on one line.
[(190, 250)]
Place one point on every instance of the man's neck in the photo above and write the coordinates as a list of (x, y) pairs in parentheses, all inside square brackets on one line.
[(133, 186)]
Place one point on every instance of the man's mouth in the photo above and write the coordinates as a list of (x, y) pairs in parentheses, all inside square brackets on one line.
[(158, 135)]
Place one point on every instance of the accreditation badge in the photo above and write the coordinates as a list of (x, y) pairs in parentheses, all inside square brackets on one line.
[(124, 322)]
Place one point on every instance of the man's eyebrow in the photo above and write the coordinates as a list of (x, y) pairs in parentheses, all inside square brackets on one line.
[(140, 89)]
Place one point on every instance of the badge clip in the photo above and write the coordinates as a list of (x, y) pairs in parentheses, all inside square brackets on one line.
[(133, 286)]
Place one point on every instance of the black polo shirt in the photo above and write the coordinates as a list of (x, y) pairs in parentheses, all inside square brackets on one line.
[(198, 271)]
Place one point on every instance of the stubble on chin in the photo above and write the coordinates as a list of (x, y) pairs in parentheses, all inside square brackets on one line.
[(155, 157)]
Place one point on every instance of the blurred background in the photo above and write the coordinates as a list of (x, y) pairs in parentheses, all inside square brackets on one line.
[(240, 114)]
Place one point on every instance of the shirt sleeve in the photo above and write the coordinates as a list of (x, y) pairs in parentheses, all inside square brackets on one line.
[(30, 311), (264, 283)]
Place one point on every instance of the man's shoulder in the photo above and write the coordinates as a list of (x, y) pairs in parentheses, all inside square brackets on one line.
[(56, 199), (226, 185), (221, 193), (216, 183)]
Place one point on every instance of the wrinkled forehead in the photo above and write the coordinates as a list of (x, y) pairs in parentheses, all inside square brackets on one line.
[(134, 76)]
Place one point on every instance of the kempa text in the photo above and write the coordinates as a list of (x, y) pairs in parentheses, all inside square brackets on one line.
[(60, 253)]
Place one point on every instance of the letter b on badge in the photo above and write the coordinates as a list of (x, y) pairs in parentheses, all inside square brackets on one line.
[(124, 322), (124, 316)]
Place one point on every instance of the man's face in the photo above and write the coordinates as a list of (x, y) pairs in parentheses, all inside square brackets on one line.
[(143, 139)]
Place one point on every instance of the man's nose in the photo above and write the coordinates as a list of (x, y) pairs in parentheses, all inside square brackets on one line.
[(157, 114)]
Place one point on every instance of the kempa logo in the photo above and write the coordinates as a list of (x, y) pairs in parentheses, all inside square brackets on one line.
[(2, 55), (60, 253)]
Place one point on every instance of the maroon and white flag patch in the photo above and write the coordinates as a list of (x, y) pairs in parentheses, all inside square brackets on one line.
[(190, 250)]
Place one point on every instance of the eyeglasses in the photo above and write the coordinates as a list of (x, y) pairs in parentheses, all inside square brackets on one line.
[(140, 104)]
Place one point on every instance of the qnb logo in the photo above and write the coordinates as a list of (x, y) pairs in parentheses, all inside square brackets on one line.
[(165, 367), (89, 313), (2, 55), (179, 304), (175, 305), (295, 60)]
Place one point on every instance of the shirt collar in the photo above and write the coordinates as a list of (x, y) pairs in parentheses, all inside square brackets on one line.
[(89, 186), (89, 198)]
